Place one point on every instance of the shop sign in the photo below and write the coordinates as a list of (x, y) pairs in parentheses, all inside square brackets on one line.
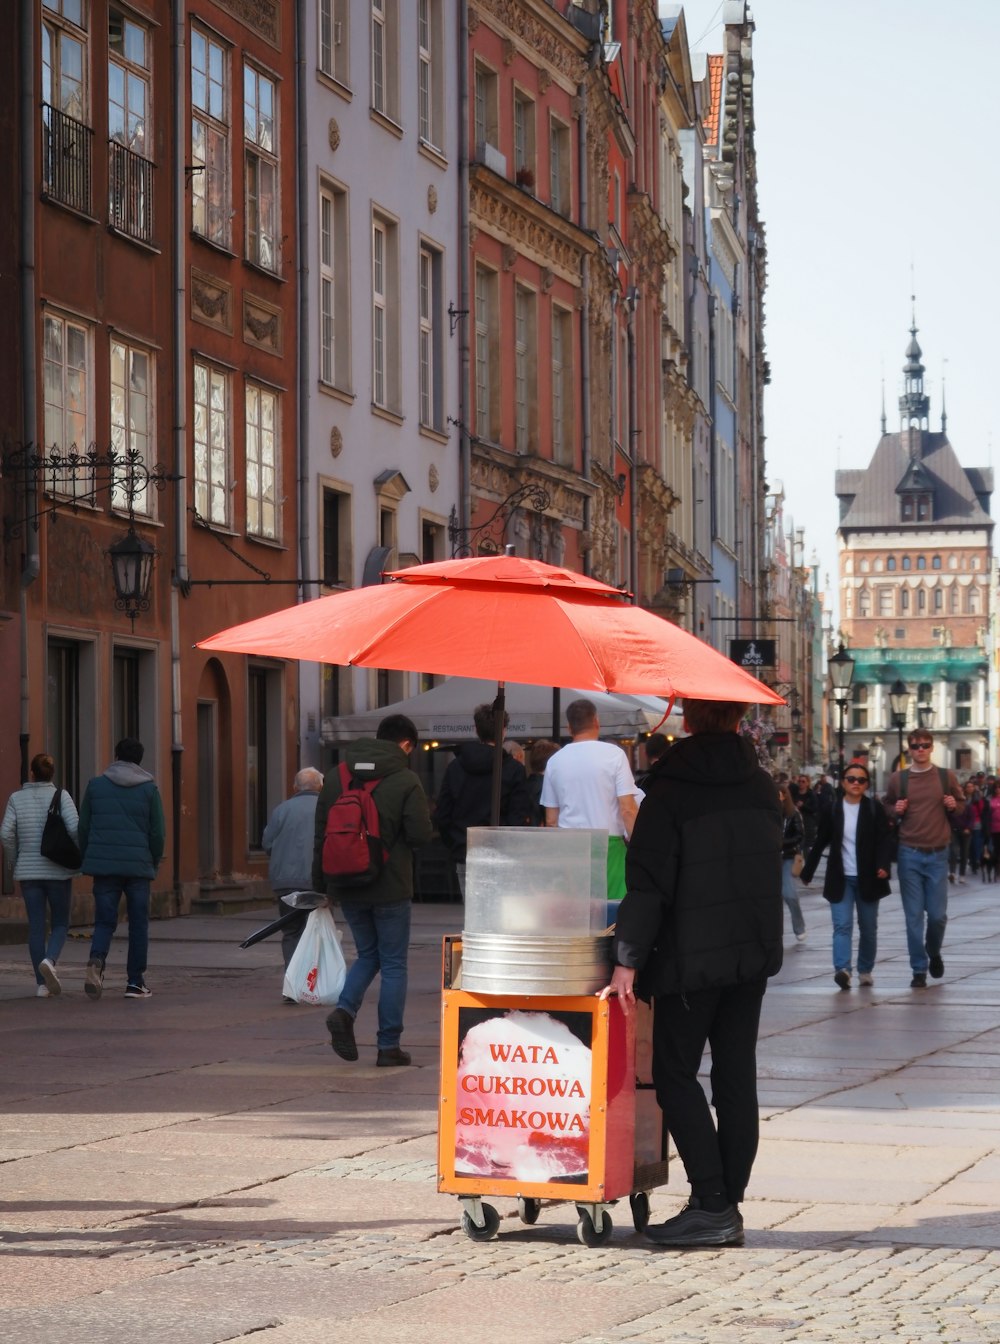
[(752, 653)]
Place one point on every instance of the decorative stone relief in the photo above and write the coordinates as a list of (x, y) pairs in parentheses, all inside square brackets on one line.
[(544, 79), (508, 257), (333, 135), (539, 38), (548, 279), (261, 324), (263, 16), (433, 477), (473, 20), (336, 441), (432, 199), (211, 301)]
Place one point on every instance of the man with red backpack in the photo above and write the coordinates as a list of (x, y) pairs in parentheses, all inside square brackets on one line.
[(375, 898)]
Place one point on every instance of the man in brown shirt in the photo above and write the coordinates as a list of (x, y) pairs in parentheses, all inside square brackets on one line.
[(922, 808)]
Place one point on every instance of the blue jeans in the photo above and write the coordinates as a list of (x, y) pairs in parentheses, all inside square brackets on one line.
[(791, 897), (923, 889), (843, 929), (382, 938), (54, 893), (107, 892)]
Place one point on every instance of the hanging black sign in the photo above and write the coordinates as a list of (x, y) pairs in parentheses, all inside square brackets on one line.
[(751, 653)]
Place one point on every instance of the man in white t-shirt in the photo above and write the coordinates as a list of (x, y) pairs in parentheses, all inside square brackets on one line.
[(589, 786)]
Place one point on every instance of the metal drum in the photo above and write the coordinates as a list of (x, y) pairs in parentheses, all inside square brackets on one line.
[(495, 963)]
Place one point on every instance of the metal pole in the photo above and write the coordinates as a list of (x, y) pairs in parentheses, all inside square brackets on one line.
[(841, 705)]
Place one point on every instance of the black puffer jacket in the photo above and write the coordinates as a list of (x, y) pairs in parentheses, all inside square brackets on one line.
[(466, 789), (703, 871)]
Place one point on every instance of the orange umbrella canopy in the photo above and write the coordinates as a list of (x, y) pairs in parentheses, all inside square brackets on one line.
[(503, 618)]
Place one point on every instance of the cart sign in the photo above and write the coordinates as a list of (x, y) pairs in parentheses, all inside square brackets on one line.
[(752, 653), (524, 1084)]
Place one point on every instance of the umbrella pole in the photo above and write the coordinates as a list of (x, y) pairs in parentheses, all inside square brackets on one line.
[(498, 715)]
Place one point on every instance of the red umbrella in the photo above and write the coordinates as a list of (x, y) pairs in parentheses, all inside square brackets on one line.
[(503, 618)]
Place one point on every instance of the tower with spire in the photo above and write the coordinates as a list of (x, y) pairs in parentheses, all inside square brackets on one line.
[(914, 404)]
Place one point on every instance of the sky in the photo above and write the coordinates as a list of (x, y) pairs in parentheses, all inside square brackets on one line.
[(877, 179)]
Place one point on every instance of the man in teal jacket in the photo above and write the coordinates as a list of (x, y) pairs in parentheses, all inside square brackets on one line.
[(121, 838)]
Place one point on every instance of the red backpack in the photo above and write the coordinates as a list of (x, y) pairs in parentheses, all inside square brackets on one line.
[(354, 853)]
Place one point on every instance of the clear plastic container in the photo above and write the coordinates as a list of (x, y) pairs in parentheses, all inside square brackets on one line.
[(536, 880)]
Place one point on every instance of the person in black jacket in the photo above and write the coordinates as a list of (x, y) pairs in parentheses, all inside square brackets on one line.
[(467, 786), (699, 932), (791, 844), (857, 832)]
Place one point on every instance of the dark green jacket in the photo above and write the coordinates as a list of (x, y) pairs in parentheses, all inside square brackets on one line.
[(122, 831), (404, 819)]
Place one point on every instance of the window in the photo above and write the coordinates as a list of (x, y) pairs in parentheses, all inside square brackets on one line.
[(953, 599), (66, 140), (904, 600), (66, 374), (907, 563), (921, 599), (264, 721), (130, 172), (334, 46), (938, 600), (562, 387), (334, 295), (936, 562), (210, 207), (69, 687), (385, 58), (972, 600), (385, 314), (262, 463), (430, 338), (963, 704), (524, 141), (430, 74), (487, 355), (486, 109), (336, 523), (261, 182), (211, 444), (885, 602), (864, 602), (131, 428), (877, 565), (859, 707), (133, 695), (921, 562), (890, 564), (525, 371)]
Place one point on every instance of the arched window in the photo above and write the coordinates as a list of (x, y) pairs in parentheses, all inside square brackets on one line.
[(877, 565), (863, 566), (953, 562), (938, 600), (891, 562), (906, 562), (904, 599), (921, 599), (936, 562), (921, 562), (864, 602)]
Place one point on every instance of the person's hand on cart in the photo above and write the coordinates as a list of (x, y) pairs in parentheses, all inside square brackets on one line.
[(622, 984)]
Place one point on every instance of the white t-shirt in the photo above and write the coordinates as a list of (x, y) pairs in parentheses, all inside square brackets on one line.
[(585, 780), (849, 847)]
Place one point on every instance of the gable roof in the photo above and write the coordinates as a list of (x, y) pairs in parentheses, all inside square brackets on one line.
[(869, 497)]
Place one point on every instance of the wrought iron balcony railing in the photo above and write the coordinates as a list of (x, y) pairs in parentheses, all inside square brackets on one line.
[(130, 192), (66, 159)]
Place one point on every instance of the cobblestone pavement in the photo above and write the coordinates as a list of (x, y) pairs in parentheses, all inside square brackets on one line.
[(198, 1168)]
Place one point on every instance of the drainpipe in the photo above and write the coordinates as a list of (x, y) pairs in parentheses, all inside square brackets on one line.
[(180, 437), (464, 322), (631, 303), (29, 368), (584, 216), (754, 437), (302, 409)]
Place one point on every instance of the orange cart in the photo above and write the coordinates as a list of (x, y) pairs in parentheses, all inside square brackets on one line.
[(545, 1098)]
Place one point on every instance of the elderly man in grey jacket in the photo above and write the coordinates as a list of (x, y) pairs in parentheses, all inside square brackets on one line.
[(288, 840)]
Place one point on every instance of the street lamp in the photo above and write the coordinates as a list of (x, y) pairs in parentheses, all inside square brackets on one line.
[(132, 569), (841, 667), (925, 714), (899, 701)]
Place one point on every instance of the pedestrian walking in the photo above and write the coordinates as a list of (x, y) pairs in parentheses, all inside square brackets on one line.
[(288, 842), (857, 833), (539, 756), (378, 914), (122, 833), (793, 833), (923, 799), (46, 887), (699, 932)]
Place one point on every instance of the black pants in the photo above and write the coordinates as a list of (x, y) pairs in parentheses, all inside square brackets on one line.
[(716, 1158)]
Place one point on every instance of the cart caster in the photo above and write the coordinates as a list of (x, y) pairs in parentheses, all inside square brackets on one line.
[(639, 1203), (489, 1228), (588, 1232), (528, 1210)]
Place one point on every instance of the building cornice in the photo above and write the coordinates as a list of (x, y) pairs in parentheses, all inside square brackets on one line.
[(515, 217)]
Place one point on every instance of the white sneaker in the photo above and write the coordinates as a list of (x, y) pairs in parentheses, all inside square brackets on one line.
[(800, 937), (42, 993), (47, 970), (866, 978)]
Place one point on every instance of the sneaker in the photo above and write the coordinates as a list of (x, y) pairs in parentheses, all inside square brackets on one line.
[(800, 937), (42, 993), (951, 877), (47, 970), (93, 981), (340, 1025), (961, 882), (695, 1226), (936, 967), (393, 1058), (919, 980), (138, 992), (866, 978), (843, 979)]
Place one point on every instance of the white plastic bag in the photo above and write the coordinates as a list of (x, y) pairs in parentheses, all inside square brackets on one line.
[(317, 970)]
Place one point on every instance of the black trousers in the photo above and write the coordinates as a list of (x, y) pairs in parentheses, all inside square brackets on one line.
[(717, 1155)]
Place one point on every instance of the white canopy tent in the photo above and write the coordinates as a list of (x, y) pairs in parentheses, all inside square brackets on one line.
[(445, 712)]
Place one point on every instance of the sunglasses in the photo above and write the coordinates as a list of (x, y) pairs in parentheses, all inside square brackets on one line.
[(855, 779), (921, 746)]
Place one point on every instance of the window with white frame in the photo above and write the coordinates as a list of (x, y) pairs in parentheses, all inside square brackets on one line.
[(262, 446), (559, 167), (385, 313), (885, 602), (524, 140), (430, 73), (212, 440), (859, 707), (130, 172), (487, 354), (66, 139), (334, 47), (963, 704), (334, 288), (487, 108), (261, 168), (131, 426), (525, 370), (67, 385), (562, 387), (385, 58), (725, 493), (210, 208), (430, 268)]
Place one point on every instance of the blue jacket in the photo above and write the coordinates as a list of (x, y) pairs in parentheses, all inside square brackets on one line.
[(122, 831)]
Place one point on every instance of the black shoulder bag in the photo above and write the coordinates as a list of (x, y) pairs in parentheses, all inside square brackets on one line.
[(57, 844)]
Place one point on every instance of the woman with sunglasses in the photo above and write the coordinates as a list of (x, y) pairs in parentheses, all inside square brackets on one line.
[(857, 832)]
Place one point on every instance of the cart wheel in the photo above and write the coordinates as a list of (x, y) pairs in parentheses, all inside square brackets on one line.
[(588, 1233), (488, 1230), (639, 1203), (528, 1210)]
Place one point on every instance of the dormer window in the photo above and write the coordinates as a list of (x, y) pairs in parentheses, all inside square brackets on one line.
[(916, 508)]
